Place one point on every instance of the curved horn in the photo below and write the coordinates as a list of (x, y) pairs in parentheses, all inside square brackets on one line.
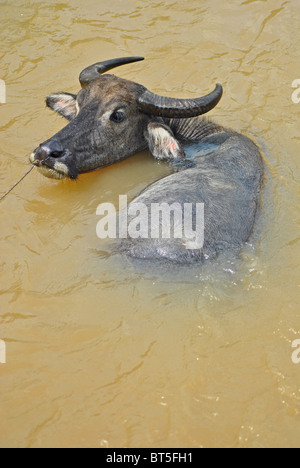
[(161, 106), (93, 72)]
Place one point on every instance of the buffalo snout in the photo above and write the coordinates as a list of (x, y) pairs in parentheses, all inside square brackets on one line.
[(51, 149), (53, 160)]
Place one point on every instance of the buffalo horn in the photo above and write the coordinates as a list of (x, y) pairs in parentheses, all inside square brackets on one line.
[(93, 72), (161, 106)]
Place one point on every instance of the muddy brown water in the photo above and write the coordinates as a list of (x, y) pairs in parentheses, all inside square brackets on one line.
[(99, 353)]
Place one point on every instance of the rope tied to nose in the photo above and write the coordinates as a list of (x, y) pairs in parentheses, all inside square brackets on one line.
[(17, 183)]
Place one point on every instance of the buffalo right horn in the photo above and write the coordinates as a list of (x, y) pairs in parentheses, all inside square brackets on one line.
[(161, 106), (93, 72)]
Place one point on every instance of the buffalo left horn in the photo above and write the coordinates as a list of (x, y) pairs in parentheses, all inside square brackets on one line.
[(161, 106), (93, 72)]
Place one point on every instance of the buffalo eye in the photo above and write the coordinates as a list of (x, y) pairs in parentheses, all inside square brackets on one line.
[(118, 116)]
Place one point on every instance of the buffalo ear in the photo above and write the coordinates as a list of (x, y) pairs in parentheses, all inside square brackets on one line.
[(64, 104), (162, 143)]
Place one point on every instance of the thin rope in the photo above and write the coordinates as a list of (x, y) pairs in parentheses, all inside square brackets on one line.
[(10, 190)]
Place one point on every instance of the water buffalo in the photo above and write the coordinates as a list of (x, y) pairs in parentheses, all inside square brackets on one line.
[(113, 118)]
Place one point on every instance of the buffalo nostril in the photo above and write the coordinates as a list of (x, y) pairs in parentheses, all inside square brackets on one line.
[(56, 154), (52, 148)]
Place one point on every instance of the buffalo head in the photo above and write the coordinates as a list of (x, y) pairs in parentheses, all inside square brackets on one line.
[(111, 119)]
